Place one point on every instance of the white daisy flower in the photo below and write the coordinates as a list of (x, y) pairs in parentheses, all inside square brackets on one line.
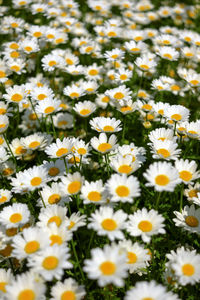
[(137, 255), (109, 223), (162, 134), (68, 289), (119, 93), (187, 170), (72, 183), (5, 196), (53, 195), (58, 235), (48, 106), (53, 214), (26, 286), (41, 93), (167, 52), (107, 265), (85, 108), (51, 262), (4, 123), (145, 224), (29, 242), (163, 176), (15, 94), (177, 113), (76, 220), (34, 178), (37, 141), (189, 219), (73, 91), (63, 120), (14, 215), (123, 188), (6, 278), (103, 144), (165, 150), (93, 192), (107, 125), (124, 165), (59, 148)]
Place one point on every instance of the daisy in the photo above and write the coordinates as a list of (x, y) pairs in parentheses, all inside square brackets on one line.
[(93, 192), (17, 148), (50, 62), (123, 188), (165, 150), (126, 107), (103, 144), (7, 168), (63, 120), (29, 45), (123, 75), (144, 63), (159, 85), (52, 214), (152, 290), (162, 134), (90, 86), (14, 215), (76, 220), (5, 196), (107, 125), (36, 31), (135, 47), (137, 256), (36, 141), (107, 265), (26, 286), (163, 176), (72, 183), (29, 242), (41, 93), (17, 66), (59, 148), (15, 94), (73, 91), (168, 53), (51, 262), (189, 219), (48, 106), (192, 193), (68, 289), (6, 278), (58, 235), (55, 169), (193, 130), (93, 72), (145, 224), (185, 265), (187, 170), (193, 79), (177, 113), (34, 178), (109, 223), (3, 155), (124, 165), (81, 148), (85, 108), (119, 93), (114, 54)]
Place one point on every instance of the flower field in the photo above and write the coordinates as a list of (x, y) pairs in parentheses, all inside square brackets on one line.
[(99, 150)]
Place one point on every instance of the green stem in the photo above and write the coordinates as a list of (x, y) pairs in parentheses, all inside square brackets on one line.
[(77, 259), (107, 164), (54, 130), (124, 127), (181, 198), (13, 157), (42, 199), (158, 200), (33, 108)]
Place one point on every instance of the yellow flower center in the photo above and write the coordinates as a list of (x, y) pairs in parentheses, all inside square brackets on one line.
[(55, 239), (194, 82), (37, 34), (74, 95), (74, 187), (14, 25), (3, 199), (52, 63), (122, 191), (94, 196), (132, 258), (15, 68), (125, 108), (145, 226), (31, 247), (108, 128), (147, 107), (118, 95), (192, 193), (109, 224), (146, 67), (55, 219), (162, 180), (15, 218), (105, 99), (61, 151), (55, 198), (125, 169), (71, 225), (107, 268), (88, 49), (185, 175), (62, 123), (82, 151), (49, 109), (8, 171), (28, 48), (176, 117), (2, 74), (50, 36), (112, 33), (3, 286), (36, 181), (53, 171), (165, 153), (26, 295), (104, 147), (14, 54), (16, 97), (123, 77), (191, 221), (85, 112), (20, 150), (69, 61), (93, 72), (138, 38), (68, 295), (135, 49), (34, 144), (14, 46), (188, 269), (50, 263), (167, 55)]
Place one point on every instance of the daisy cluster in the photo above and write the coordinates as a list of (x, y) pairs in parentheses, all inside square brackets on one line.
[(99, 150)]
